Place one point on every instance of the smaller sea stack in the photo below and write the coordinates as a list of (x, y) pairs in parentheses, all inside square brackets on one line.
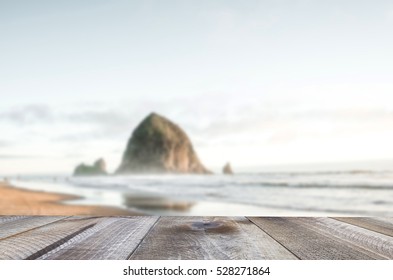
[(227, 169), (97, 169)]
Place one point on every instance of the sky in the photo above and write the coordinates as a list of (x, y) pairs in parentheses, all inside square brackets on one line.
[(256, 83)]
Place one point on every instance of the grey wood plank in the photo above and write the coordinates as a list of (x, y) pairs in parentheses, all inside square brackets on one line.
[(370, 240), (381, 225), (113, 239), (197, 238), (307, 243), (37, 242), (18, 224), (9, 218)]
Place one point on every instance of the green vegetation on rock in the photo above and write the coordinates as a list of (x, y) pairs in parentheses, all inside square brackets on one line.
[(97, 169), (158, 145)]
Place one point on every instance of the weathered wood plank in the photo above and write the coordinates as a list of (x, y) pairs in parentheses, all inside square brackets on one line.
[(208, 238), (9, 218), (309, 243), (114, 239), (372, 241), (19, 224), (46, 237), (381, 225), (37, 242)]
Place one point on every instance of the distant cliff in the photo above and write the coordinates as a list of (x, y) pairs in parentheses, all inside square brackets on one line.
[(227, 169), (158, 145), (98, 168)]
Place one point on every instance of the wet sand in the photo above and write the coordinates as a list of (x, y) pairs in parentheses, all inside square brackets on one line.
[(17, 201)]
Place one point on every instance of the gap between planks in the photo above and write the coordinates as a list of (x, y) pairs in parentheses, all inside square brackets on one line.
[(76, 238), (320, 238), (195, 238)]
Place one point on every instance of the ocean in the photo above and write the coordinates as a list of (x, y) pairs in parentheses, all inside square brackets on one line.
[(347, 193)]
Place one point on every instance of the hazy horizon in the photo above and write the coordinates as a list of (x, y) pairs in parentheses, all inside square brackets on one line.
[(256, 83)]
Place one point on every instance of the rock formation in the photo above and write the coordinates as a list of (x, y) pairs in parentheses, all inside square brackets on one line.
[(98, 168), (227, 169), (158, 145)]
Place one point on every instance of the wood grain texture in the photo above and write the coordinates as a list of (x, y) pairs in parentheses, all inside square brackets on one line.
[(307, 243), (19, 224), (195, 238), (146, 237), (44, 239), (9, 218), (111, 239), (358, 237), (381, 225)]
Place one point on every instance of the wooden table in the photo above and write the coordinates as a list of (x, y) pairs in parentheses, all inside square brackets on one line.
[(149, 237)]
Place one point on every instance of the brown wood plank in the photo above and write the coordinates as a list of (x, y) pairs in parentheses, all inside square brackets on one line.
[(309, 243), (381, 225), (18, 224), (208, 238), (115, 238), (372, 241), (35, 243)]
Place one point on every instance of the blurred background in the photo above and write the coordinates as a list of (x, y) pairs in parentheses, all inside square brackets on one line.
[(296, 95)]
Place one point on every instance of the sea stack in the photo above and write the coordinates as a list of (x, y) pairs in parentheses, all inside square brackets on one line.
[(98, 168), (227, 169), (158, 145)]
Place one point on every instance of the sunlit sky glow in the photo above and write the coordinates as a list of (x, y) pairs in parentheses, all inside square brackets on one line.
[(252, 82)]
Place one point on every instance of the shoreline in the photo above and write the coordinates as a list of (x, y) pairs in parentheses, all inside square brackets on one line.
[(19, 201)]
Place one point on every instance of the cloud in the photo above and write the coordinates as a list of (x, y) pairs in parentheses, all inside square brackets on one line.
[(97, 124), (67, 123), (4, 143), (109, 121), (16, 156), (265, 126), (27, 114), (232, 124)]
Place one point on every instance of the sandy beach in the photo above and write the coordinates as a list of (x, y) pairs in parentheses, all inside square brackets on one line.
[(17, 201)]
